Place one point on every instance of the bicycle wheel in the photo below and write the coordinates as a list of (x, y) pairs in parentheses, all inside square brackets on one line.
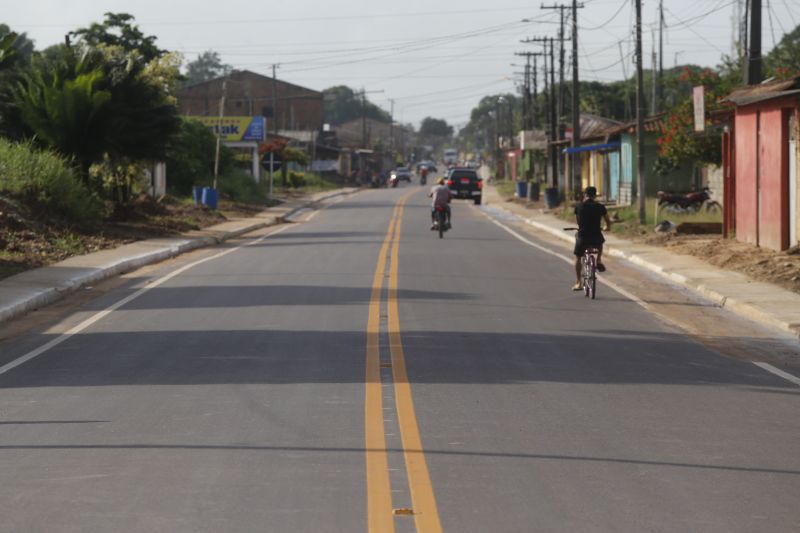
[(592, 276), (585, 275)]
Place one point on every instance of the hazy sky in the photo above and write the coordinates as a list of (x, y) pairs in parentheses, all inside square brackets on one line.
[(432, 58)]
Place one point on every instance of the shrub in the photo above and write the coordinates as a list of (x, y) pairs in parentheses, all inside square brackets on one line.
[(47, 180), (296, 180), (190, 158), (240, 186), (314, 182)]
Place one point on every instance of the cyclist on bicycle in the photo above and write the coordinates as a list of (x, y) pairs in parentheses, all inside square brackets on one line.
[(441, 197), (588, 214)]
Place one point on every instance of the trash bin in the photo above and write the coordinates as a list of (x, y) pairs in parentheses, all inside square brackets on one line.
[(197, 194), (209, 197), (551, 197), (534, 191), (522, 189)]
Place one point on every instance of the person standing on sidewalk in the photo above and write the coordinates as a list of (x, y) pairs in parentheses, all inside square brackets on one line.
[(588, 214)]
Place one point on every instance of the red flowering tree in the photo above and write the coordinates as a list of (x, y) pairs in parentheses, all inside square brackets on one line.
[(283, 153), (677, 140)]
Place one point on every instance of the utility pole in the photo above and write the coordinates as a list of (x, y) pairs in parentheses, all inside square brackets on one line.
[(576, 112), (653, 77), (364, 94), (574, 169), (553, 117), (391, 129), (660, 93), (752, 70), (219, 129), (640, 110), (274, 128), (532, 109)]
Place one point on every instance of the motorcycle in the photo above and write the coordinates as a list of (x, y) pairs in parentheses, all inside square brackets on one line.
[(687, 203), (440, 221), (393, 180), (423, 179)]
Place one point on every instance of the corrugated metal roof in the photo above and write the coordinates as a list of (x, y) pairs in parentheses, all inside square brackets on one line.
[(764, 91)]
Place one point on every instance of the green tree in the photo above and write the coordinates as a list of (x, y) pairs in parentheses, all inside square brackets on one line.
[(207, 66), (435, 127), (190, 157), (15, 54), (678, 141), (784, 60), (342, 104), (495, 115), (118, 30), (91, 103)]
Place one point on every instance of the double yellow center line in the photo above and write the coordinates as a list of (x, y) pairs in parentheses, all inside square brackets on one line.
[(380, 515)]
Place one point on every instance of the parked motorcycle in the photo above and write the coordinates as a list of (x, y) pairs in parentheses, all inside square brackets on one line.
[(687, 203)]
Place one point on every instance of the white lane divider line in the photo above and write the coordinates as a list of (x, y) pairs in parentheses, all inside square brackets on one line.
[(778, 372), (113, 307)]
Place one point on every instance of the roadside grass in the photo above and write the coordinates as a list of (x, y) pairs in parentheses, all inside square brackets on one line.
[(628, 223), (505, 188), (626, 218)]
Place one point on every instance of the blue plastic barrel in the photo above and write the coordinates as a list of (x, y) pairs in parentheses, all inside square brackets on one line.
[(197, 194), (551, 197), (210, 197), (522, 189)]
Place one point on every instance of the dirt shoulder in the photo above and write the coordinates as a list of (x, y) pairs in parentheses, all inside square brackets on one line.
[(759, 264), (28, 240)]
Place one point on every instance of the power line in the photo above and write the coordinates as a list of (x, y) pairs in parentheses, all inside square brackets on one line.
[(606, 23)]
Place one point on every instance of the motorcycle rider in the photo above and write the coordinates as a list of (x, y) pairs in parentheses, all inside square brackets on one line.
[(441, 197), (423, 173), (588, 215)]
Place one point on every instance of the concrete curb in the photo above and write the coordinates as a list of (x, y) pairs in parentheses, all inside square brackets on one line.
[(703, 287), (36, 288)]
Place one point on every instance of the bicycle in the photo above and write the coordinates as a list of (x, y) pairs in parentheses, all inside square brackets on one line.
[(588, 269)]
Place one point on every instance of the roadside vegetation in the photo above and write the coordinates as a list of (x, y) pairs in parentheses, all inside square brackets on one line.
[(81, 126)]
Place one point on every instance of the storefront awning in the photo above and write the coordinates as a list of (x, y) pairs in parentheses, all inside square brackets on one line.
[(591, 148)]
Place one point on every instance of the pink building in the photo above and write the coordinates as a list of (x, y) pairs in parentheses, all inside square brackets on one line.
[(761, 159)]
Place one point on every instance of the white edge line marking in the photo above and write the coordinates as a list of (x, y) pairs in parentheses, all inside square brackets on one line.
[(110, 309), (566, 259), (778, 372), (765, 366), (326, 205)]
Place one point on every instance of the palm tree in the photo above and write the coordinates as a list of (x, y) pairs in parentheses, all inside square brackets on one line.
[(88, 103)]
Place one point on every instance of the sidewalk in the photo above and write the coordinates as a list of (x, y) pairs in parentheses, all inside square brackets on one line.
[(35, 288), (757, 301)]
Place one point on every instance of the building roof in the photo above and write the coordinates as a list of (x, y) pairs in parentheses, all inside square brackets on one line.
[(241, 75), (768, 90), (593, 126)]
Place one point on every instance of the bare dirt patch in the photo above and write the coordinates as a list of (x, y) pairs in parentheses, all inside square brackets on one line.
[(29, 240), (760, 264)]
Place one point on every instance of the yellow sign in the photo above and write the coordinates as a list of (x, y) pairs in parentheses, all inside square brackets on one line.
[(235, 129)]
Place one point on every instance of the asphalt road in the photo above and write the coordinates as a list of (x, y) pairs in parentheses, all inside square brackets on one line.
[(353, 372)]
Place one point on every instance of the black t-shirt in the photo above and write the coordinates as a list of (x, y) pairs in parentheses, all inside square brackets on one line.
[(589, 216)]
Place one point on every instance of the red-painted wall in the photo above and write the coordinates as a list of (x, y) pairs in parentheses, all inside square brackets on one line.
[(746, 176), (773, 228), (762, 173)]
